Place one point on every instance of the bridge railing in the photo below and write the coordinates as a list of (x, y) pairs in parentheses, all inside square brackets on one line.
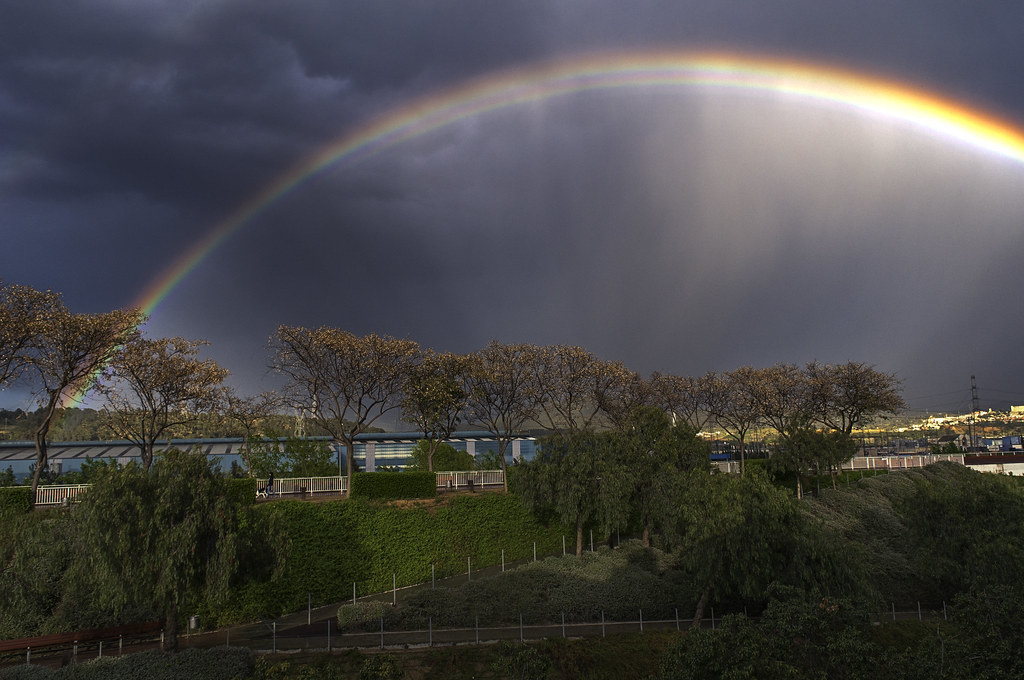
[(296, 486)]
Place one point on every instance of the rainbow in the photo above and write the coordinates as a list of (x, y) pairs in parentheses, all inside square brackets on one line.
[(858, 92)]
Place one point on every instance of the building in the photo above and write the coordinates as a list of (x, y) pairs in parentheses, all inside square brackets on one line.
[(372, 450)]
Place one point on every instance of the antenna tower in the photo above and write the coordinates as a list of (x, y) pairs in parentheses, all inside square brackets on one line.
[(974, 410)]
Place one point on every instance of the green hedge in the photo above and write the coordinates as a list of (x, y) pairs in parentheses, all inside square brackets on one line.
[(394, 485), (242, 491), (15, 500), (333, 544)]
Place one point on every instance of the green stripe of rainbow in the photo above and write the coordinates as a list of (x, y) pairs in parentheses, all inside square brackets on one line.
[(855, 91)]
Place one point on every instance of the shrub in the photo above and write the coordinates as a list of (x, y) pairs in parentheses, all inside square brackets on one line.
[(394, 485), (242, 491), (204, 664), (365, 616), (15, 500)]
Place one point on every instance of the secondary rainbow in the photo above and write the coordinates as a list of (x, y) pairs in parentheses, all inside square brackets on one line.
[(855, 91)]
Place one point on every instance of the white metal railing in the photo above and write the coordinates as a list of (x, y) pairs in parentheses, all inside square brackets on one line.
[(293, 486), (870, 462), (299, 485), (57, 494), (455, 480)]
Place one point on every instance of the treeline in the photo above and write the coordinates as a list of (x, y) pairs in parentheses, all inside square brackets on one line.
[(153, 389)]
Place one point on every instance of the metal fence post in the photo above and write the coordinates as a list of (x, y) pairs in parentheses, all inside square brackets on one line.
[(893, 611), (432, 577), (120, 644), (469, 568), (328, 636), (602, 623), (503, 560), (919, 612), (382, 632), (430, 631), (677, 618), (563, 625), (591, 540), (227, 636), (394, 589), (641, 620), (521, 639), (353, 592), (275, 636), (563, 545), (28, 656), (476, 624), (535, 551), (309, 608), (712, 618), (74, 651), (101, 649), (944, 618)]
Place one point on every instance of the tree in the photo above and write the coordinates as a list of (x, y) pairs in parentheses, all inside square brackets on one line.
[(781, 395), (621, 394), (843, 396), (445, 457), (346, 382), (500, 392), (737, 534), (649, 455), (153, 387), (24, 313), (435, 397), (566, 476), (249, 413), (695, 400), (806, 448), (176, 536), (68, 354), (567, 380), (736, 408)]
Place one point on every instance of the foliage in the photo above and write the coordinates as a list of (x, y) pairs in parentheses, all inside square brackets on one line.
[(332, 545), (651, 458), (566, 478), (797, 636), (501, 396), (365, 616), (738, 535), (344, 381), (519, 660), (220, 663), (435, 397), (241, 491), (381, 667), (177, 536), (807, 449), (15, 500), (291, 456), (614, 583), (6, 479), (446, 458), (154, 387), (24, 313), (394, 485)]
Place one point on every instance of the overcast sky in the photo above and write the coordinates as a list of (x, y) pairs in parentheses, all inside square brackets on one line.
[(679, 230)]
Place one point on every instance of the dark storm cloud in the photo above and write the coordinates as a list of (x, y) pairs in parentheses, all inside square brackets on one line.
[(678, 234)]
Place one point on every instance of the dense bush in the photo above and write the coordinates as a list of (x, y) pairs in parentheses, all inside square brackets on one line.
[(15, 500), (619, 583), (219, 663), (394, 485), (242, 491)]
